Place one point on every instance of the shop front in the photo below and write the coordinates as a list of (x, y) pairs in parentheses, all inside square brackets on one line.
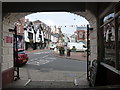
[(108, 68)]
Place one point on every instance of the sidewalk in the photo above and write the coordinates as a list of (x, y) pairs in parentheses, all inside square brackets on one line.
[(73, 55), (50, 79)]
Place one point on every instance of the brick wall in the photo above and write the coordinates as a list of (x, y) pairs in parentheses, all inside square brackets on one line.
[(93, 44), (7, 53)]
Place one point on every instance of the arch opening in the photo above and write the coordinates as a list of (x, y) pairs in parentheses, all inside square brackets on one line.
[(13, 17)]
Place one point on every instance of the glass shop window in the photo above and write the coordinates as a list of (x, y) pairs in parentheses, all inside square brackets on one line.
[(109, 44), (108, 17)]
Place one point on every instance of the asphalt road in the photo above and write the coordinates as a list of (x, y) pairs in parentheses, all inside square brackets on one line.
[(45, 69), (47, 59)]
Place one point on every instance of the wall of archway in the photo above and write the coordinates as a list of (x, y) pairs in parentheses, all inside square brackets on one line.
[(93, 34), (94, 12)]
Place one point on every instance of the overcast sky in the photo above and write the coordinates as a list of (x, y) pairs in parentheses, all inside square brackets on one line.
[(60, 19)]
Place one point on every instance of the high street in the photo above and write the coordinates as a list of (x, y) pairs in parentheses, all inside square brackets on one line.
[(45, 69), (47, 59)]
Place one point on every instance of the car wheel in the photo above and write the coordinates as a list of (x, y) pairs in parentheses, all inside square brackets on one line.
[(24, 63)]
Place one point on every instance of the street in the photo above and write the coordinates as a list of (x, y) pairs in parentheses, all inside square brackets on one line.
[(47, 59), (45, 69)]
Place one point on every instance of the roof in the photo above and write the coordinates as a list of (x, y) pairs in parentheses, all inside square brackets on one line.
[(81, 28), (37, 21)]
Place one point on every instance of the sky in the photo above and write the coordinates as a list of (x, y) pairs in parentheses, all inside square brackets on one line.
[(65, 20)]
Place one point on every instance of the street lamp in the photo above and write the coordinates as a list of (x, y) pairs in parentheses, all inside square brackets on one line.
[(88, 50), (16, 52)]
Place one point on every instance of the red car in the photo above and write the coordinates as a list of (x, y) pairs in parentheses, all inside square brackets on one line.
[(22, 56)]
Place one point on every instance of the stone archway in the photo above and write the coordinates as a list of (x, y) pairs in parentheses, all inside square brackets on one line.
[(8, 22)]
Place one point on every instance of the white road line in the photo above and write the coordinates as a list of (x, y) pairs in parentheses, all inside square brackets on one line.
[(41, 52), (37, 53), (29, 78), (33, 59), (27, 82), (51, 58), (75, 82), (45, 56), (41, 61)]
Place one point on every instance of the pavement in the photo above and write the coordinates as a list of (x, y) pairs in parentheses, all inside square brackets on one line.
[(50, 79), (73, 55), (43, 78)]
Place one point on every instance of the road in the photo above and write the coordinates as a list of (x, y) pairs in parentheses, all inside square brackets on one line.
[(46, 70), (47, 59), (45, 66)]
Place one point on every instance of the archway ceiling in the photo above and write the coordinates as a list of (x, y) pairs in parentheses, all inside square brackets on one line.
[(13, 17), (14, 11), (11, 7)]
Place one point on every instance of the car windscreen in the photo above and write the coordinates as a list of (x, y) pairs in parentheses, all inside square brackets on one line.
[(21, 52)]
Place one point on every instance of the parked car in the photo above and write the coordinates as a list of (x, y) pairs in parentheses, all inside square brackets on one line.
[(79, 46), (22, 56)]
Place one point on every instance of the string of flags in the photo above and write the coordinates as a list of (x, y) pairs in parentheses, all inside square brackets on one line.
[(68, 26), (60, 26)]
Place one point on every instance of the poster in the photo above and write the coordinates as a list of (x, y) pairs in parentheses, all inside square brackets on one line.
[(20, 43)]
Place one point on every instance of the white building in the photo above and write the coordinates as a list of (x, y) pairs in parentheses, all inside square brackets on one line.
[(73, 37), (35, 33)]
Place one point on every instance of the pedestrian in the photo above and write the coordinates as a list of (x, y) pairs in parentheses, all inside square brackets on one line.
[(68, 51)]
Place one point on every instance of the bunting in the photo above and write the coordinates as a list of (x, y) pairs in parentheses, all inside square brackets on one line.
[(57, 26), (60, 26)]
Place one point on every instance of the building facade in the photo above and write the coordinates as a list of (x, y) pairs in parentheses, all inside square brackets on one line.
[(37, 34), (82, 34)]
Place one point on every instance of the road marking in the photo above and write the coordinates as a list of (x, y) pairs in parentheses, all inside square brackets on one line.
[(40, 62), (29, 78), (51, 58), (38, 53), (33, 59), (41, 53), (75, 82), (43, 60), (45, 56), (27, 82)]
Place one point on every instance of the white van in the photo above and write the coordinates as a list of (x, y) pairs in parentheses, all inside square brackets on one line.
[(52, 46), (79, 46)]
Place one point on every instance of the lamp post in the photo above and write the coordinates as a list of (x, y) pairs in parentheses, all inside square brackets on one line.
[(15, 53), (88, 52)]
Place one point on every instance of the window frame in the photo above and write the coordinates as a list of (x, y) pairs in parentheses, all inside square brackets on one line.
[(115, 20)]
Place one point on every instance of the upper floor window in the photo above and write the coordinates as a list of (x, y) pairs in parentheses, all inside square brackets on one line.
[(106, 18), (109, 43)]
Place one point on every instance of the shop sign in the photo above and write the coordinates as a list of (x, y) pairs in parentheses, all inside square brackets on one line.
[(8, 39)]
